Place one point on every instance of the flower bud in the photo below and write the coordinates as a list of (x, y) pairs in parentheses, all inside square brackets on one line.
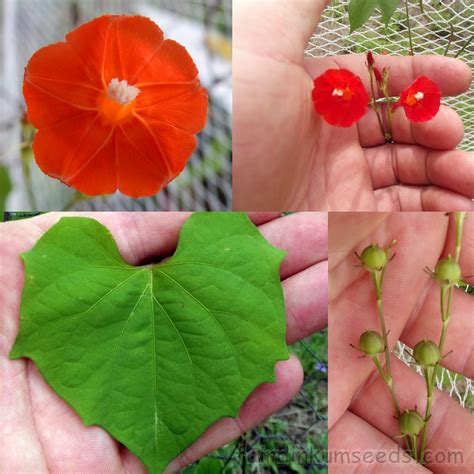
[(447, 272), (373, 258), (426, 353), (378, 75), (371, 343), (370, 58), (410, 422)]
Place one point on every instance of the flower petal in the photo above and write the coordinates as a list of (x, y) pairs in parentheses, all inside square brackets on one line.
[(187, 111), (54, 92), (170, 63)]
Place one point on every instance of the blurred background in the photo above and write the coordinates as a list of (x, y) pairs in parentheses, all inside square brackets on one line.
[(202, 26)]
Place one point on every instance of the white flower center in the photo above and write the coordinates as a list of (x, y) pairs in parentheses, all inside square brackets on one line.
[(122, 92), (338, 92), (419, 95)]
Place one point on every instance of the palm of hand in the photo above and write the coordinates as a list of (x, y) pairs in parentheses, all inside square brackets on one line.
[(287, 157), (360, 401), (41, 433), (44, 434)]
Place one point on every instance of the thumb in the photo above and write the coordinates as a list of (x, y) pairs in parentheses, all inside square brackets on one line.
[(276, 28)]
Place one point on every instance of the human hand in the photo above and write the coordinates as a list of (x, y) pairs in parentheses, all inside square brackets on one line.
[(287, 157), (360, 416), (40, 432)]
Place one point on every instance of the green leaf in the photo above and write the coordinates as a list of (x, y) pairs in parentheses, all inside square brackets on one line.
[(387, 8), (5, 187), (154, 354), (360, 11), (209, 466)]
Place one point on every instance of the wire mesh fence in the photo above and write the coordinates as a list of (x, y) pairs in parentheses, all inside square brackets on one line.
[(437, 27), (203, 26)]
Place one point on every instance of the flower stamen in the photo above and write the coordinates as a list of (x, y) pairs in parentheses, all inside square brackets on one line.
[(122, 92), (412, 99)]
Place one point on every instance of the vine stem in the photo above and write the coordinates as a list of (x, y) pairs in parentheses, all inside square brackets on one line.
[(374, 102), (409, 28), (377, 278), (445, 309)]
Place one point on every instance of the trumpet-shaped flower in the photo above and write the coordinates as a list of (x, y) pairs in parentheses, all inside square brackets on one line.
[(340, 97), (117, 107)]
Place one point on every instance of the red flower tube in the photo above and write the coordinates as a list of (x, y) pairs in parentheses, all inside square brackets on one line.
[(421, 100), (340, 97)]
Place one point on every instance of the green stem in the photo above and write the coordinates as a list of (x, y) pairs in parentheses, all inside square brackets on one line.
[(466, 44), (450, 40), (429, 379), (376, 277), (415, 451), (459, 220), (409, 28), (25, 162), (445, 310)]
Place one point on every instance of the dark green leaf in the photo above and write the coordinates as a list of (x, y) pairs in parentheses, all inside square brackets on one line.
[(154, 354), (360, 11), (5, 187), (209, 466), (387, 8)]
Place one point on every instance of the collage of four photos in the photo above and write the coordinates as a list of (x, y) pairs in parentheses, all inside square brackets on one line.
[(236, 236)]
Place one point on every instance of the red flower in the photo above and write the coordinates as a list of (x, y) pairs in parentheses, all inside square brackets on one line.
[(340, 97), (117, 107), (421, 100)]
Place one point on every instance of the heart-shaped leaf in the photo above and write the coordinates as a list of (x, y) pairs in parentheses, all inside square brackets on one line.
[(154, 354)]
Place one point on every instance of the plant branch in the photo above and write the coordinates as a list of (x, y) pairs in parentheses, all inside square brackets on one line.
[(409, 28)]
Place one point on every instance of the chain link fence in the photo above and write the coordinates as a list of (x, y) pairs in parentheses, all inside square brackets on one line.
[(203, 26)]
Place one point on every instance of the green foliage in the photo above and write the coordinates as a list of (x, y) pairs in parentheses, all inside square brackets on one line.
[(5, 187), (361, 10), (387, 8), (154, 354)]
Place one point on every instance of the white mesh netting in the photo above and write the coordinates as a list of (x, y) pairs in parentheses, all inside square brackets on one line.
[(440, 23), (203, 26)]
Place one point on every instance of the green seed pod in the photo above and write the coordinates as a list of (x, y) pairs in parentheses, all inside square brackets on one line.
[(410, 422), (371, 343), (373, 258), (447, 272), (426, 353)]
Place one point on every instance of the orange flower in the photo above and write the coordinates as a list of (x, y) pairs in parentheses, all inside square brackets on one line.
[(116, 107)]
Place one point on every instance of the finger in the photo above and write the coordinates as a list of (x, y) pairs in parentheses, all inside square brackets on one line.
[(306, 302), (375, 406), (426, 323), (466, 259), (421, 198), (97, 450), (303, 235), (258, 26), (264, 401), (357, 443), (443, 132), (140, 236), (415, 165), (451, 75)]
